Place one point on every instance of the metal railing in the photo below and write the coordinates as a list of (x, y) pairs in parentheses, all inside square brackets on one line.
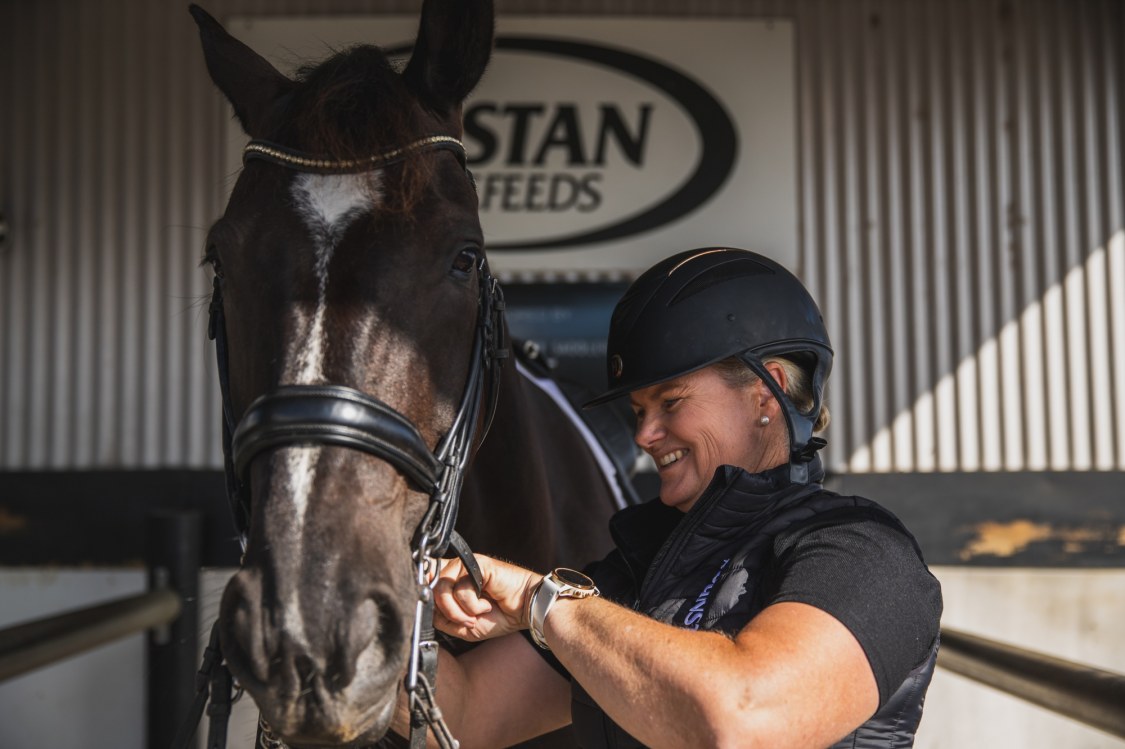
[(1088, 695), (168, 612), (26, 647)]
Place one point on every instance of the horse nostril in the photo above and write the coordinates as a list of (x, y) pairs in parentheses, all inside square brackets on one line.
[(242, 633), (305, 668), (371, 638), (353, 636), (390, 626)]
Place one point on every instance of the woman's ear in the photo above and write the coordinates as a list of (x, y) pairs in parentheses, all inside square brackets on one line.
[(778, 373)]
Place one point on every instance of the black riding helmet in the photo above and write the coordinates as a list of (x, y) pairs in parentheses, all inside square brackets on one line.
[(699, 307)]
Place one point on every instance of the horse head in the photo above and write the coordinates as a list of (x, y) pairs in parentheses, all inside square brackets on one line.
[(348, 268)]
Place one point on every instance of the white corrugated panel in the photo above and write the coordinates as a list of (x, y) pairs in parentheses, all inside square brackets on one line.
[(962, 203), (961, 195)]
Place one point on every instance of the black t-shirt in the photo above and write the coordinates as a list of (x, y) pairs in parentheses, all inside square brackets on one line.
[(849, 571), (869, 577)]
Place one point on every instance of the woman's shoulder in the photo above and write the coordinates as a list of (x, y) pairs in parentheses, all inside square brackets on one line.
[(866, 570), (825, 510)]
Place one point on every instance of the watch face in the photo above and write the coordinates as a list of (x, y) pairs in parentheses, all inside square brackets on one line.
[(572, 577)]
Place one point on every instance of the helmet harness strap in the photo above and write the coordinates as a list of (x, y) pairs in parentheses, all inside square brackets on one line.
[(803, 446)]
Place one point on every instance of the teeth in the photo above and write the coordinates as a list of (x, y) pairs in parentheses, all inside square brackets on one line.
[(671, 458)]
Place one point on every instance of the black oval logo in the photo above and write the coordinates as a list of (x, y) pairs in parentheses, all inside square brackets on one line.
[(715, 132)]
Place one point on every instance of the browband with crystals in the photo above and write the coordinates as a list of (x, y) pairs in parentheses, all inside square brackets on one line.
[(289, 158)]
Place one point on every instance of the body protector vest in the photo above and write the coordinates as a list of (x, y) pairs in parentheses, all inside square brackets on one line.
[(714, 568)]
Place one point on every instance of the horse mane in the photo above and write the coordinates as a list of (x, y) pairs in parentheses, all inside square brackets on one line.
[(355, 105)]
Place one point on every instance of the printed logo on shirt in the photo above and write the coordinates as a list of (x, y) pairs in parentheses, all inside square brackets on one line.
[(695, 613)]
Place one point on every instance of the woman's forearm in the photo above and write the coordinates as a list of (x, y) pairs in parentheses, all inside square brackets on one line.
[(795, 677)]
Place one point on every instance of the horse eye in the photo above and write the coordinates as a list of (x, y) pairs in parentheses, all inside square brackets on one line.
[(212, 258), (465, 261)]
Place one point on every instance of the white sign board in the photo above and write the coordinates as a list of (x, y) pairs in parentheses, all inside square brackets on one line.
[(604, 144)]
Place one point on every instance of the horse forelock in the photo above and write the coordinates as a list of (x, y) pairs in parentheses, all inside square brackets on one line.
[(353, 106)]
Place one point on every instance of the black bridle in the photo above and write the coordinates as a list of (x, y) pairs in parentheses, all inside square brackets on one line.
[(337, 415)]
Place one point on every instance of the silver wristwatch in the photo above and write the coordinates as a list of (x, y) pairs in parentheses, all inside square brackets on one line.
[(561, 583)]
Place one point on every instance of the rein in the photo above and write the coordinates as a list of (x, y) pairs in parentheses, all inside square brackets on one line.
[(343, 416)]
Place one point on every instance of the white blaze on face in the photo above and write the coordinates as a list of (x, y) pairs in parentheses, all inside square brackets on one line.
[(328, 205)]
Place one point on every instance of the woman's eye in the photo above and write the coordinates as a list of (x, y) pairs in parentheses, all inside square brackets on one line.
[(465, 261), (670, 403)]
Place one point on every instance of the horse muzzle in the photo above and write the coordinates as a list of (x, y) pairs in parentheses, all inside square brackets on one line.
[(318, 680)]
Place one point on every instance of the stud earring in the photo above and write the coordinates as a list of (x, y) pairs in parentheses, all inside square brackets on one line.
[(764, 421)]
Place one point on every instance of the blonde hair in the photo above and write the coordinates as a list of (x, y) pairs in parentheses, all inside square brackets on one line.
[(798, 384)]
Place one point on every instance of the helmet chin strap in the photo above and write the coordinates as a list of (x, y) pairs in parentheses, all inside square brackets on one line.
[(802, 444)]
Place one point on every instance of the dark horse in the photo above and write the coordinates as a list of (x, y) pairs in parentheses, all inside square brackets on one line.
[(360, 331)]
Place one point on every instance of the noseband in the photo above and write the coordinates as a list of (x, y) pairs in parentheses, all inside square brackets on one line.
[(341, 416)]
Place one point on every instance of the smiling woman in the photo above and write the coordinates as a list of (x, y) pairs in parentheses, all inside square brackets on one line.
[(746, 605), (693, 424)]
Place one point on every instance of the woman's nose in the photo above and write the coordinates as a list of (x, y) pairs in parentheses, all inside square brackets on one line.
[(649, 431)]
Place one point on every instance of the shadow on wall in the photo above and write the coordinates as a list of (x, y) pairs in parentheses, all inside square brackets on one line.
[(962, 214)]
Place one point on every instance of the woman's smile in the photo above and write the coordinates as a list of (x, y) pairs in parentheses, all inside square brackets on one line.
[(694, 423), (670, 458)]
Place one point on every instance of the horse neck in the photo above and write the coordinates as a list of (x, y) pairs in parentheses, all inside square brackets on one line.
[(535, 494)]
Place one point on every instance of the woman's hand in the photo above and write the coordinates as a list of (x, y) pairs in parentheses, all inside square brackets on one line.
[(502, 608)]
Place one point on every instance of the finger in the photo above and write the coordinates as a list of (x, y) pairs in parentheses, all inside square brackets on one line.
[(449, 568), (447, 604), (456, 629), (465, 592), (477, 629)]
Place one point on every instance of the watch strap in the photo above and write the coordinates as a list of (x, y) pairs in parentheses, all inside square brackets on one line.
[(550, 589), (546, 593)]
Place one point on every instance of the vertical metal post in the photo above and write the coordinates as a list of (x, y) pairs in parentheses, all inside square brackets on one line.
[(172, 542)]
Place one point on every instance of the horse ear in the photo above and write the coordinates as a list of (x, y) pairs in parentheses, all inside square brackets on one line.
[(452, 50), (248, 81)]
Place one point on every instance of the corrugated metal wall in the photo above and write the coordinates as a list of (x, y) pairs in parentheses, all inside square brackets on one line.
[(109, 182), (961, 198), (962, 171)]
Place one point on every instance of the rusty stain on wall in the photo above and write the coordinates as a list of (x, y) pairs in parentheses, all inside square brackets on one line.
[(1009, 539), (1004, 539)]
